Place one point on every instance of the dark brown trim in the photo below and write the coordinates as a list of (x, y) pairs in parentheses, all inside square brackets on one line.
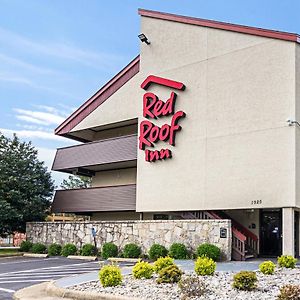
[(100, 141), (75, 138), (96, 199), (114, 166), (117, 125), (286, 36), (101, 96), (113, 151), (97, 187)]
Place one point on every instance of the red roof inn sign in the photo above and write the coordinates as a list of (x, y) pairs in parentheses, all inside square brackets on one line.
[(154, 108)]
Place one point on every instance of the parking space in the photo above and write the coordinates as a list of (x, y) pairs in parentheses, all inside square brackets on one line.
[(19, 272)]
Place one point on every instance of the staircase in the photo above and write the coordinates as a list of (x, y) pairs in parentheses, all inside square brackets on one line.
[(244, 242)]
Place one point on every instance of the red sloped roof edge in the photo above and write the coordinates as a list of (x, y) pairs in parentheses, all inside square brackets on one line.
[(99, 97), (286, 36)]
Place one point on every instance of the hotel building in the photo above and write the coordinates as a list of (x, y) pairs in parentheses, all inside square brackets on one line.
[(230, 97)]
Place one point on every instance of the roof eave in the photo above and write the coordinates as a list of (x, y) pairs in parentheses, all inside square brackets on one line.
[(99, 97), (286, 36)]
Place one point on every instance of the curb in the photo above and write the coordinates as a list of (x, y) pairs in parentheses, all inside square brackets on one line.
[(53, 290), (11, 255), (120, 260), (49, 289), (35, 255), (31, 292), (82, 257)]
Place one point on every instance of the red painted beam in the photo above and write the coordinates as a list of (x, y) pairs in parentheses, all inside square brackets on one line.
[(162, 81)]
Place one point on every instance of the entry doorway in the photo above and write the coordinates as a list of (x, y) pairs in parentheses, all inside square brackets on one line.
[(270, 232)]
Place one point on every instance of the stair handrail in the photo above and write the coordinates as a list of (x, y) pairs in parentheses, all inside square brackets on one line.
[(239, 226)]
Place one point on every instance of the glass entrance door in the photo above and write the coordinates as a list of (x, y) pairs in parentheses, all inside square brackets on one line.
[(270, 232)]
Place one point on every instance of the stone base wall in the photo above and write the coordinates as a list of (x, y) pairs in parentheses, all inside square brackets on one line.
[(144, 233)]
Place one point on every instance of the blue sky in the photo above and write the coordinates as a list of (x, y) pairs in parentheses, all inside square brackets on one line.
[(55, 54)]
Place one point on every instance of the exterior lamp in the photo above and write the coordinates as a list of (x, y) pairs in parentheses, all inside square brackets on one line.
[(292, 122), (143, 39)]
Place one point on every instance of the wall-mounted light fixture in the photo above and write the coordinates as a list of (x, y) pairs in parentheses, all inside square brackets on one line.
[(292, 122), (144, 39)]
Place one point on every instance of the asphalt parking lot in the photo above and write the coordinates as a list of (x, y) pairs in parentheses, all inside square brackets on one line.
[(19, 272)]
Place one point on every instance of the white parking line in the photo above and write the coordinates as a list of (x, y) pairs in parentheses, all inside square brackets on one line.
[(26, 261), (46, 268), (7, 290), (50, 272), (18, 281), (41, 276)]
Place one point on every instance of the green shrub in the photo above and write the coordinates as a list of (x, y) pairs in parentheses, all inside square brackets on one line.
[(289, 292), (287, 261), (267, 267), (68, 249), (178, 251), (25, 246), (191, 287), (38, 248), (144, 256), (205, 266), (88, 250), (162, 263), (209, 250), (142, 269), (170, 274), (132, 251), (110, 276), (156, 251), (245, 280), (109, 250), (54, 249)]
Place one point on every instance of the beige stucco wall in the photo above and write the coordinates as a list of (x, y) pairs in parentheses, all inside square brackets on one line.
[(288, 235), (246, 218), (114, 177), (115, 132), (121, 106), (235, 145), (297, 128)]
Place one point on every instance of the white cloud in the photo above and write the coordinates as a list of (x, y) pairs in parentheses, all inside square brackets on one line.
[(65, 113), (39, 117), (34, 134), (15, 79), (31, 120), (34, 127), (63, 50), (47, 155), (20, 63)]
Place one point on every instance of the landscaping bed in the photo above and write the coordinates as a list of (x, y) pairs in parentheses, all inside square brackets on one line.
[(218, 287)]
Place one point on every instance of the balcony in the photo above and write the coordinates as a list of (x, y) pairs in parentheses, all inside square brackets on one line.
[(100, 199), (86, 159)]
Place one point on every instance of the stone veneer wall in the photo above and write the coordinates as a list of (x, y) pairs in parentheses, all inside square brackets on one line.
[(145, 233)]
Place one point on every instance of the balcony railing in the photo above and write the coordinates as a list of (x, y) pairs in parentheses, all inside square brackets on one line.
[(100, 199), (85, 159)]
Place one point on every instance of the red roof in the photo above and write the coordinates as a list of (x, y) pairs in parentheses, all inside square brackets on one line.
[(133, 67), (286, 36)]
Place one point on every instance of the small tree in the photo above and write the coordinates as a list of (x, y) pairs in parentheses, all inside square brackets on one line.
[(25, 185), (73, 182)]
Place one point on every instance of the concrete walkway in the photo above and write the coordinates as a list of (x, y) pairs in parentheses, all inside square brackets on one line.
[(39, 291)]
